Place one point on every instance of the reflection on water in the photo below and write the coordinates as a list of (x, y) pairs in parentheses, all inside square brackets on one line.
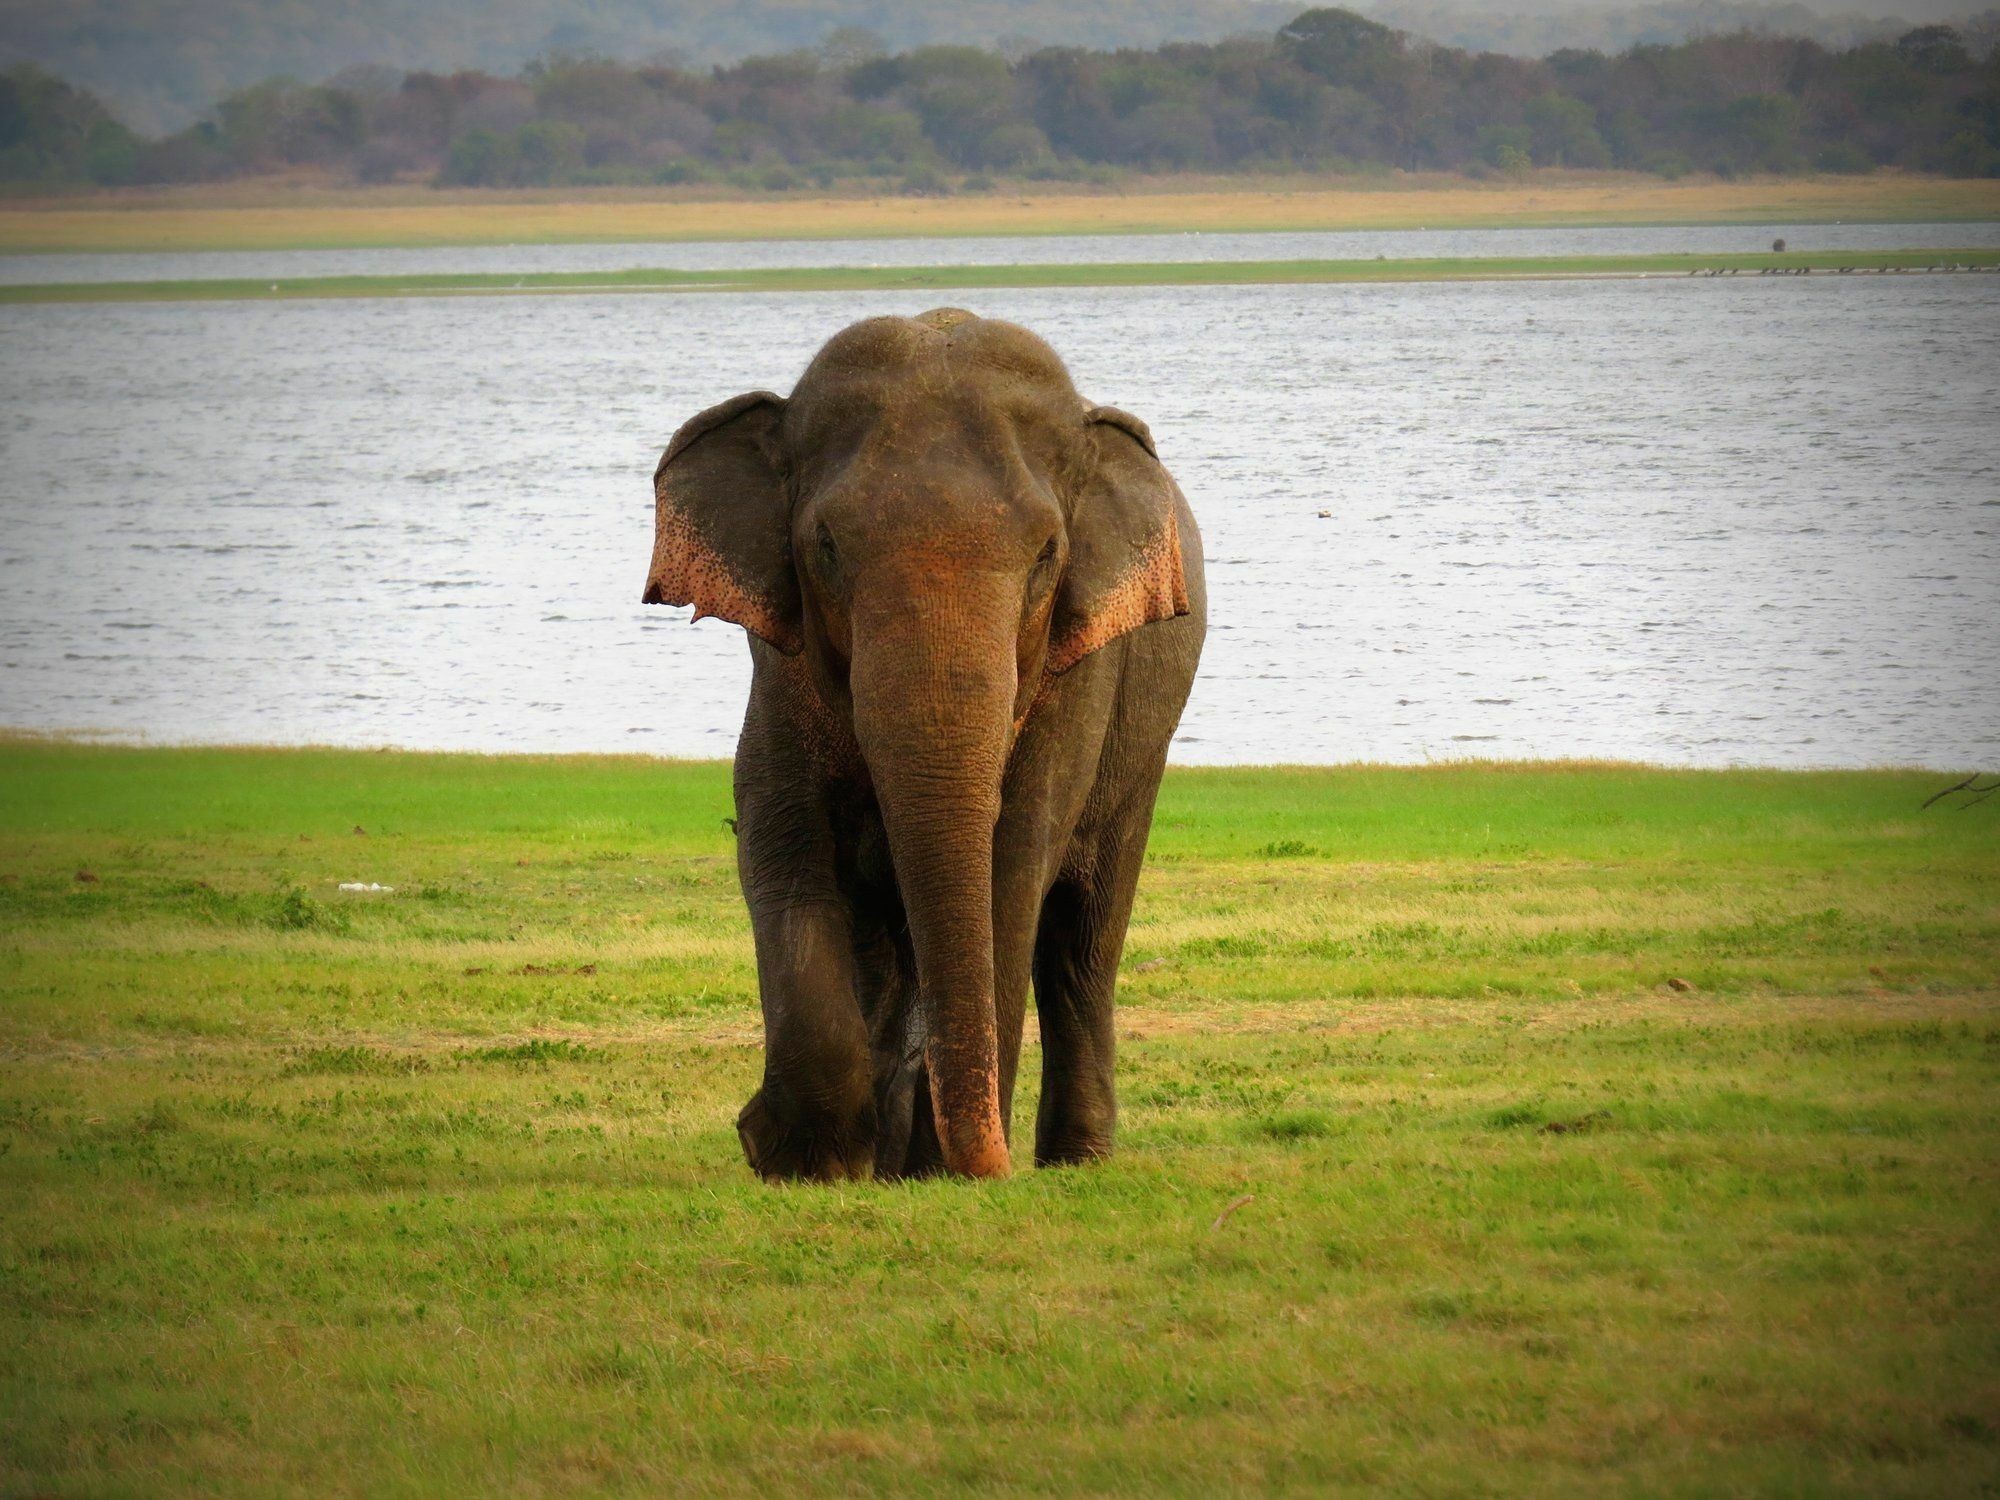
[(1011, 250), (1700, 522)]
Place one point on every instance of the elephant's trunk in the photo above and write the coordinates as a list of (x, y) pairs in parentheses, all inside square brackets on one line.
[(934, 685)]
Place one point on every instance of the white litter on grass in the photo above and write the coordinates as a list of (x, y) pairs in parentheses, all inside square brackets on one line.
[(363, 885)]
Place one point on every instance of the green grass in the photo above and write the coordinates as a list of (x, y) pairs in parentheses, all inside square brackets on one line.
[(948, 278), (436, 1190)]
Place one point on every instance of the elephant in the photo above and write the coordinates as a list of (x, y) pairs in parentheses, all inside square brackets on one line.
[(975, 605)]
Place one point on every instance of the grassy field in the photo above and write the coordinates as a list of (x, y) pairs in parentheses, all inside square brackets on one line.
[(257, 216), (950, 278), (1486, 1130)]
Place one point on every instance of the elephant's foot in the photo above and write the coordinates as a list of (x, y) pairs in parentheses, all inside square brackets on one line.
[(1074, 1137), (790, 1144), (1071, 1153)]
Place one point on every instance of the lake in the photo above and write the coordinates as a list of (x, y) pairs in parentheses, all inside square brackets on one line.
[(1701, 522)]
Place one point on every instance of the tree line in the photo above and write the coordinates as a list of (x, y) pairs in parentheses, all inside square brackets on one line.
[(162, 64), (1329, 91)]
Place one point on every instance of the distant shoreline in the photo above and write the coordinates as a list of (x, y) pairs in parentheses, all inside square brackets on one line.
[(955, 278), (297, 215)]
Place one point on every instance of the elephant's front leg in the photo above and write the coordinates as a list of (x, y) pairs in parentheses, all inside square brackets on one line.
[(814, 1116), (1076, 978)]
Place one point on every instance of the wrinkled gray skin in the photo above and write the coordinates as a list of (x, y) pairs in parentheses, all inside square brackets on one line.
[(975, 605)]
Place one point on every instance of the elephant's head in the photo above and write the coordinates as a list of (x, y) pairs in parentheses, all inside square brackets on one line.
[(938, 523)]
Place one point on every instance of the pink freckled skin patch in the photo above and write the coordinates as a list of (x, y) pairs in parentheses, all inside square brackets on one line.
[(1155, 589), (686, 571)]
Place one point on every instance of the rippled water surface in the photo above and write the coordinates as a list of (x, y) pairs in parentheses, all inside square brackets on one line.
[(1011, 250), (1702, 522)]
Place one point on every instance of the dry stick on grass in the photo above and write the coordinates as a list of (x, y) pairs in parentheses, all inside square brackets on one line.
[(1230, 1208), (1978, 793)]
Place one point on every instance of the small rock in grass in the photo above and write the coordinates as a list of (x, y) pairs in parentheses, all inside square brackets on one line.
[(1679, 984), (86, 877), (1149, 966)]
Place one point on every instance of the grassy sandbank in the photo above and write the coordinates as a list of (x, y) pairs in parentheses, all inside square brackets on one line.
[(252, 216), (1429, 1179), (955, 278)]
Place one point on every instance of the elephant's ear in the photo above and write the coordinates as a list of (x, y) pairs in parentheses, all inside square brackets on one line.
[(722, 523), (1124, 542)]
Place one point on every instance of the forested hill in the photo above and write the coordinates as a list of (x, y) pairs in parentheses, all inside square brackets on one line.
[(1329, 90), (160, 64)]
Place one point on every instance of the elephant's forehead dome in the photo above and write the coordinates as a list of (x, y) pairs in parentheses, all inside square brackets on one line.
[(943, 318), (890, 345)]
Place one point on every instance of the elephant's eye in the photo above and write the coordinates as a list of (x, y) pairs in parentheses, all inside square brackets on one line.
[(829, 555), (1048, 553)]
